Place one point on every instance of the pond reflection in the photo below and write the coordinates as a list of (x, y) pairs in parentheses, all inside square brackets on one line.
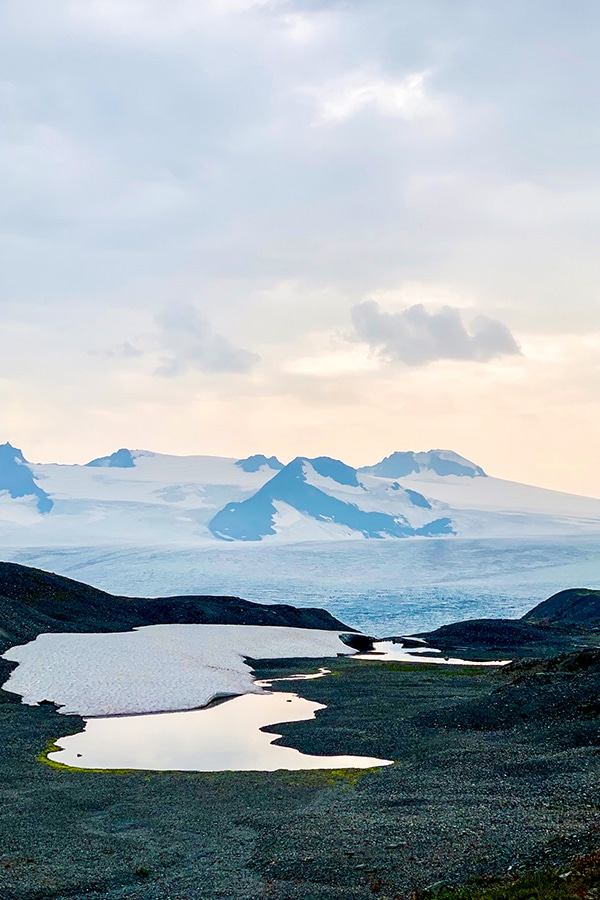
[(225, 737)]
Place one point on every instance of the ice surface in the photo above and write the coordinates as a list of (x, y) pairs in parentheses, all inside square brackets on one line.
[(388, 651), (381, 587), (155, 668)]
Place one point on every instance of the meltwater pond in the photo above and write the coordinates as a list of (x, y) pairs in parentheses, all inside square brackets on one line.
[(221, 738)]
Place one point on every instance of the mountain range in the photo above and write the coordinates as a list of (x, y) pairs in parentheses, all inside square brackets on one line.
[(138, 497)]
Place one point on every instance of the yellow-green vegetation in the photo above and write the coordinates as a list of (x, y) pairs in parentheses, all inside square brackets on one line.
[(328, 777), (437, 669), (579, 882), (43, 757), (53, 747)]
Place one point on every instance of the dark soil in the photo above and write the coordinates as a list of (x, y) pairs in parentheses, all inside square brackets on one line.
[(566, 621), (494, 770)]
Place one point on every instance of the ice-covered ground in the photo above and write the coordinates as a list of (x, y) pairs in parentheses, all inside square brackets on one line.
[(156, 668), (381, 587), (183, 501)]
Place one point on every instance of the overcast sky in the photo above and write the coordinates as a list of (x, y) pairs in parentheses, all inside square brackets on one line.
[(303, 227)]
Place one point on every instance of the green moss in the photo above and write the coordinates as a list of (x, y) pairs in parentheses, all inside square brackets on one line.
[(52, 747), (581, 880), (327, 777)]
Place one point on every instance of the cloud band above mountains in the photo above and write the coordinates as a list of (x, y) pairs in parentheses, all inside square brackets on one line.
[(417, 337)]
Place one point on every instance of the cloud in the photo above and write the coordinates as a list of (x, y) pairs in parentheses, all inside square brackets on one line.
[(417, 337), (124, 350), (345, 97), (190, 343)]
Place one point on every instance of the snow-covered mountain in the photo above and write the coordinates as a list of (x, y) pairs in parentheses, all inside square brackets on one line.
[(309, 498), (138, 498), (17, 482), (440, 462)]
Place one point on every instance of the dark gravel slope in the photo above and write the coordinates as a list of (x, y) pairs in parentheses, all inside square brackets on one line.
[(478, 787)]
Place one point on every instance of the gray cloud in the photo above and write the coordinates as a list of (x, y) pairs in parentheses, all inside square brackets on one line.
[(190, 343), (417, 337), (152, 142), (124, 350)]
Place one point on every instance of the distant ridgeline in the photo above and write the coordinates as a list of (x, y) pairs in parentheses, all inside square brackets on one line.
[(442, 462), (120, 459), (143, 498), (33, 602)]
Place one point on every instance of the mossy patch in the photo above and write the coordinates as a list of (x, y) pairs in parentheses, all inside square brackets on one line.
[(53, 747), (580, 880), (328, 777)]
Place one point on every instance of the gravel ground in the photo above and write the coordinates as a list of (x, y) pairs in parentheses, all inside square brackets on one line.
[(493, 771)]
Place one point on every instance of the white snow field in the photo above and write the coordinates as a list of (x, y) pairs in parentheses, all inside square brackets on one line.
[(221, 738), (155, 668), (171, 501)]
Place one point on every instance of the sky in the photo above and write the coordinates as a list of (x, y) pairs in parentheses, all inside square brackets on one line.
[(303, 227)]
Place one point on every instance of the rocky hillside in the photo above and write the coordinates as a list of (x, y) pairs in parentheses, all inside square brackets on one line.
[(565, 621)]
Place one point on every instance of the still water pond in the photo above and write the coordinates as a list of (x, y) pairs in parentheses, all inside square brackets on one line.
[(221, 738)]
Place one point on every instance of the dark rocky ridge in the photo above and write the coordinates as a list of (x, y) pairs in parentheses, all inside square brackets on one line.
[(33, 601), (568, 620), (576, 606)]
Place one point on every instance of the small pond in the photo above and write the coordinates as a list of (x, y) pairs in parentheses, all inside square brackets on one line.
[(219, 738), (390, 651)]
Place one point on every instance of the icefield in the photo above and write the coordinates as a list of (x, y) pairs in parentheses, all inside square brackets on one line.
[(141, 498)]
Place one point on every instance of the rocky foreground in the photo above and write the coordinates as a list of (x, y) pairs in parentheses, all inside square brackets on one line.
[(497, 773)]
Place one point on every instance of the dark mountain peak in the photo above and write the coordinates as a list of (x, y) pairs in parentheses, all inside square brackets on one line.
[(335, 469), (120, 459), (325, 466), (8, 451), (256, 517), (396, 465), (443, 462), (257, 461), (17, 478)]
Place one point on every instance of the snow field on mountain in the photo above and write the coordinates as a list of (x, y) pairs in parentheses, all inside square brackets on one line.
[(157, 667), (167, 501)]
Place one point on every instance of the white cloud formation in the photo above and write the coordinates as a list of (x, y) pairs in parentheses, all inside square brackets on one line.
[(190, 343), (417, 337), (345, 97)]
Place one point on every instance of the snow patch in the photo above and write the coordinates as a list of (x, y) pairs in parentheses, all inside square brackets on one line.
[(155, 668)]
